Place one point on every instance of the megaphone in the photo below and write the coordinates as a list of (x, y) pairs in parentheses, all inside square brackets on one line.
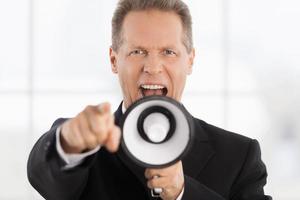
[(157, 132)]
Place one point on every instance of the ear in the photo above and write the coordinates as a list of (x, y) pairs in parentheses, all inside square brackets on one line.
[(113, 60), (191, 61)]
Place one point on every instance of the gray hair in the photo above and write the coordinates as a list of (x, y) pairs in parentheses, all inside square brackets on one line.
[(177, 6)]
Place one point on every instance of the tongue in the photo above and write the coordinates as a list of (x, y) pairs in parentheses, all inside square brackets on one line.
[(153, 92)]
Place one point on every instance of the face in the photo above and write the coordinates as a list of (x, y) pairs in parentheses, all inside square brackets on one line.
[(152, 59)]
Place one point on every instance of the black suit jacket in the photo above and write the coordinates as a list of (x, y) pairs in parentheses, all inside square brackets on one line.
[(221, 165)]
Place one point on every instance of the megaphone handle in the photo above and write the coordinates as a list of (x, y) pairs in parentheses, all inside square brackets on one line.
[(156, 191)]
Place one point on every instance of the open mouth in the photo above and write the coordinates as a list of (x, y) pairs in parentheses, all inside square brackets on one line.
[(148, 90)]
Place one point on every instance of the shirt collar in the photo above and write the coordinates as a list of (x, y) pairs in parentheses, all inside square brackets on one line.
[(123, 108)]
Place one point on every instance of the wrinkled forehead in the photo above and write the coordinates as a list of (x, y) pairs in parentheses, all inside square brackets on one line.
[(153, 29)]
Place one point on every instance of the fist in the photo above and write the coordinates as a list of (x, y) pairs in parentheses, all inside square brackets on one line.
[(170, 179), (92, 127)]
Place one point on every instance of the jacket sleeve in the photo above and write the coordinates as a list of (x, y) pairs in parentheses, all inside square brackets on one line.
[(247, 186), (46, 173), (252, 177), (194, 190)]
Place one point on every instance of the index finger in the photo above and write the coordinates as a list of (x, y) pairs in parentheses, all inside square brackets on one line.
[(150, 173), (103, 108)]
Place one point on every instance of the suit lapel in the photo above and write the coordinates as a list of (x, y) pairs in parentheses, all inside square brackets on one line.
[(135, 169), (200, 152)]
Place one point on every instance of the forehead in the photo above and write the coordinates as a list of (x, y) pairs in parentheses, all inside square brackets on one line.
[(152, 28)]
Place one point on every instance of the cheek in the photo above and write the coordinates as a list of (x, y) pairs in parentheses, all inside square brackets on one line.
[(179, 78), (177, 74), (128, 74)]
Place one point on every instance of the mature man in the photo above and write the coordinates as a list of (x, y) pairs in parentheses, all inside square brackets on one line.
[(152, 54)]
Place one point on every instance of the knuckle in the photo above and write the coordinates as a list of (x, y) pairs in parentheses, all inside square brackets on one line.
[(149, 173), (101, 137), (80, 119), (93, 122), (89, 140), (87, 111), (98, 128), (88, 108), (80, 143), (150, 184), (100, 125), (114, 135), (154, 181), (146, 173), (76, 120)]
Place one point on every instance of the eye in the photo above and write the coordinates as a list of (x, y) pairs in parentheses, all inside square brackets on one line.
[(138, 52), (169, 52)]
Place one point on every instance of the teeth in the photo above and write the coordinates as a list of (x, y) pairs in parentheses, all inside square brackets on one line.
[(152, 87)]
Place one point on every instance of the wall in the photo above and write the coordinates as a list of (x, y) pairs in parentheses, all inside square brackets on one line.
[(54, 61)]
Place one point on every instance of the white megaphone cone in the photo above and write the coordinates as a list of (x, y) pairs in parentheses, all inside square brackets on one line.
[(157, 132)]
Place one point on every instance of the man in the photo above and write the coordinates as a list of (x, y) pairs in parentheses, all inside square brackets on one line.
[(152, 54)]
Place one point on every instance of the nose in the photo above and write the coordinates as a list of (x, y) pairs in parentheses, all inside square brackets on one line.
[(153, 64)]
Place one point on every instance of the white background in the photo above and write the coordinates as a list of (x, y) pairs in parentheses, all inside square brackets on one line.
[(54, 61)]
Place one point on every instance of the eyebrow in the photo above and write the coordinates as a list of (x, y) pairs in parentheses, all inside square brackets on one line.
[(141, 47), (136, 47)]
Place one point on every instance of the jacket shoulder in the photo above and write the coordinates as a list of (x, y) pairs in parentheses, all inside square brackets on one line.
[(222, 136), (230, 148)]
